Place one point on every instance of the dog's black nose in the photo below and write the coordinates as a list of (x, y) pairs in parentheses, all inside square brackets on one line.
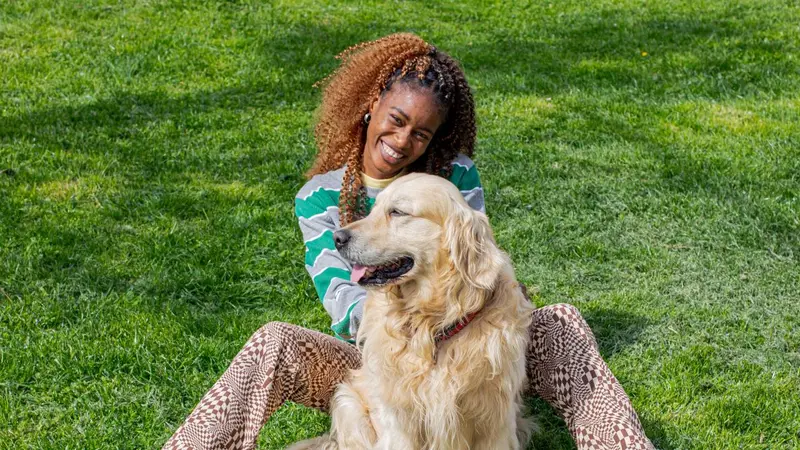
[(340, 238)]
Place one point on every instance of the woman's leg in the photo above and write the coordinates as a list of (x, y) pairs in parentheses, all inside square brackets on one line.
[(566, 370), (280, 362)]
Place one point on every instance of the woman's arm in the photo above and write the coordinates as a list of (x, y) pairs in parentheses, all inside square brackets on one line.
[(317, 211)]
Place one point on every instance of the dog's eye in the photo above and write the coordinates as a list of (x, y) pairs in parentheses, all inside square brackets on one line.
[(397, 213)]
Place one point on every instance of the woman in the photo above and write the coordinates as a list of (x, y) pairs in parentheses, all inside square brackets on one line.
[(395, 105)]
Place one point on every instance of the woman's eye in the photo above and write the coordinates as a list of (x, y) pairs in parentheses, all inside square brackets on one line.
[(422, 136), (397, 120), (397, 213)]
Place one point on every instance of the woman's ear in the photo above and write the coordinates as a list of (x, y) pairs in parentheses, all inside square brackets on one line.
[(473, 250), (374, 105)]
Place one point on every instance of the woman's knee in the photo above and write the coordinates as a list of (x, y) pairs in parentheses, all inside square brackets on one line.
[(278, 331), (565, 322), (272, 342)]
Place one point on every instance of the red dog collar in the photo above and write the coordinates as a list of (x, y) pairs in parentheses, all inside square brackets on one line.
[(453, 329)]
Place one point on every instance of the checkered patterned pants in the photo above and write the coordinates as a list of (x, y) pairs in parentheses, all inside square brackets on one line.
[(284, 362)]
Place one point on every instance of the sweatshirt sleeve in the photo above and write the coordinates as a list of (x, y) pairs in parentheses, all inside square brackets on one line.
[(317, 211)]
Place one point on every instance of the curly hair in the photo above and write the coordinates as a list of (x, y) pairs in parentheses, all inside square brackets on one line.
[(368, 70)]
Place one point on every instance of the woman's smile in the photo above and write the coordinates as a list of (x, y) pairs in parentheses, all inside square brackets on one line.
[(390, 155)]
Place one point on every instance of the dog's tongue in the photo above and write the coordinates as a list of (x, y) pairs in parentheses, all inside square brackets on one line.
[(357, 273)]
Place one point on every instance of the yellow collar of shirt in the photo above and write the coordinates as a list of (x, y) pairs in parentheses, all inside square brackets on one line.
[(375, 183)]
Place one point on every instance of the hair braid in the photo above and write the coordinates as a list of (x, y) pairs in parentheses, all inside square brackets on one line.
[(367, 70)]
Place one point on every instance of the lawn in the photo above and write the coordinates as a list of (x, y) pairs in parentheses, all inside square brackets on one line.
[(641, 160)]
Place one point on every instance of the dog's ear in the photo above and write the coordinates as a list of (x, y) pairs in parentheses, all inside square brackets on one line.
[(473, 250)]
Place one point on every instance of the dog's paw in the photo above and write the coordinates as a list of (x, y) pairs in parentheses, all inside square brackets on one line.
[(324, 442)]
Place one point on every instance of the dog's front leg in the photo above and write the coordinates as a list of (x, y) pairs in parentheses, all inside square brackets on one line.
[(510, 434), (350, 420), (395, 433)]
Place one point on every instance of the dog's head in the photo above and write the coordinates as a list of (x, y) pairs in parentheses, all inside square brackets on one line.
[(420, 226)]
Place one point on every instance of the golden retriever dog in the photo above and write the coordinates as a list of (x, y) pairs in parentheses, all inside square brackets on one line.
[(444, 330)]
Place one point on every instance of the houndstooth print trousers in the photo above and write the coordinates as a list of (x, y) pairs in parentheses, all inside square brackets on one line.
[(284, 362)]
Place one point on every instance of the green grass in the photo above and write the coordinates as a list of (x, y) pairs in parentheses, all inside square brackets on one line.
[(641, 161)]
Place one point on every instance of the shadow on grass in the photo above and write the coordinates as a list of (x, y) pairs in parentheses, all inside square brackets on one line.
[(655, 432), (614, 329)]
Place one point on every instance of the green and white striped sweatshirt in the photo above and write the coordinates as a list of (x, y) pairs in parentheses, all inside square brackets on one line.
[(317, 209)]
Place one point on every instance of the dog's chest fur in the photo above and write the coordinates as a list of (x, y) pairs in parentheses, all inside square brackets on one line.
[(453, 391)]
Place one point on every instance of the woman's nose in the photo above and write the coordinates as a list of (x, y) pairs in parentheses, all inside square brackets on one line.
[(401, 139)]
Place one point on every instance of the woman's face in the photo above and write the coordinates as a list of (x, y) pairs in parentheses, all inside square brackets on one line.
[(404, 120)]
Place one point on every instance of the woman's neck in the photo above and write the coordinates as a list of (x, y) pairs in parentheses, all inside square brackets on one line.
[(379, 183)]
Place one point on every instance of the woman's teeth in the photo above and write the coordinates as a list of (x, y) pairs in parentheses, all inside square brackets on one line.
[(391, 152)]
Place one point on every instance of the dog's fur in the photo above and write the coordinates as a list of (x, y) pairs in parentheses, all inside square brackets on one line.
[(411, 393)]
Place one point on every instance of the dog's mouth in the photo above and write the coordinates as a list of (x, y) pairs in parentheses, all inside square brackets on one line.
[(383, 274)]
